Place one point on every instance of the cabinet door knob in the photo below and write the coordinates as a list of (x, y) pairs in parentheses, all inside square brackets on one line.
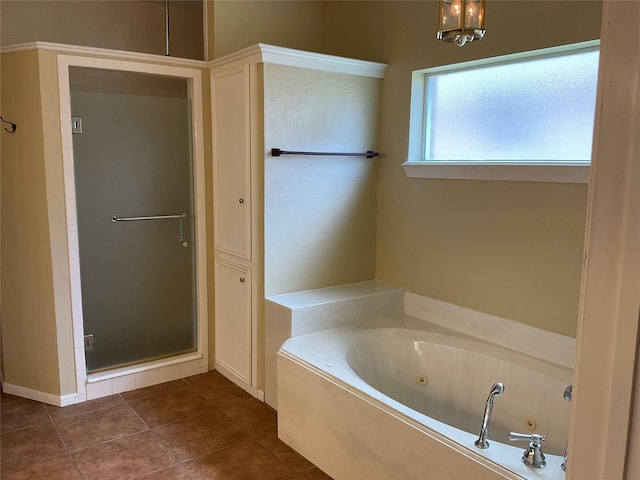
[(241, 200), (241, 279)]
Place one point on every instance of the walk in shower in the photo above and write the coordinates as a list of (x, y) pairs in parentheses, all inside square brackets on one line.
[(134, 188)]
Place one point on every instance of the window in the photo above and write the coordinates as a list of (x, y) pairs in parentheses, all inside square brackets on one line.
[(508, 116)]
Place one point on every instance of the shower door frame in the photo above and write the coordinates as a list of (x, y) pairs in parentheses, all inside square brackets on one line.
[(90, 386)]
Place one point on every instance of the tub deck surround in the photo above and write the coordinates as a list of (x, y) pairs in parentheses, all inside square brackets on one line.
[(352, 430), (518, 336), (299, 313)]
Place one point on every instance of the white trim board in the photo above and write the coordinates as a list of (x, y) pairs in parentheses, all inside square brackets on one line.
[(103, 52), (520, 172), (38, 396), (607, 355), (142, 367), (297, 58), (84, 388)]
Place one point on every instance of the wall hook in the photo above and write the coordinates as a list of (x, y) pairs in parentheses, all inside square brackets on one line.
[(13, 126)]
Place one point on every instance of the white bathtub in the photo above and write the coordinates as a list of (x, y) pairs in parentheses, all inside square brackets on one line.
[(349, 401)]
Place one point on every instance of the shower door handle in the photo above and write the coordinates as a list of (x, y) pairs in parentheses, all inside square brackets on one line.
[(179, 216)]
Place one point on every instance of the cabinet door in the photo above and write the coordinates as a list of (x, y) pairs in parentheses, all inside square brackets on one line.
[(233, 321), (232, 160)]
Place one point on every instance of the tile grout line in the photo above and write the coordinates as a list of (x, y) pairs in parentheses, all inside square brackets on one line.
[(22, 427), (72, 453), (247, 434), (149, 429), (64, 443), (233, 409), (152, 430), (168, 423), (253, 438), (111, 439)]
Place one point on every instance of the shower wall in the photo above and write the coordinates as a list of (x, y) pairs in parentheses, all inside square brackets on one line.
[(36, 312)]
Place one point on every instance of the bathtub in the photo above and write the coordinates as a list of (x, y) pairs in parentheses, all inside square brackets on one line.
[(407, 403)]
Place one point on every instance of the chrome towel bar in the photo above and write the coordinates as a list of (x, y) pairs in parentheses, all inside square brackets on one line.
[(178, 216)]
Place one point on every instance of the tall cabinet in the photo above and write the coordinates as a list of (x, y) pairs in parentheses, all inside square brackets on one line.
[(236, 222), (266, 208)]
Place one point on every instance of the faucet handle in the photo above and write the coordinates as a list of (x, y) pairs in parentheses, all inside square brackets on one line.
[(527, 437), (532, 456)]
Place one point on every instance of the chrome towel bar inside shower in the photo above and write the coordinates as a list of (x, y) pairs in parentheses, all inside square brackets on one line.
[(177, 216), (115, 219)]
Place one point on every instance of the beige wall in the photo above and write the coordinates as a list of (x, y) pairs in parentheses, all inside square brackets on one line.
[(511, 249), (238, 24), (133, 25), (28, 306), (139, 26)]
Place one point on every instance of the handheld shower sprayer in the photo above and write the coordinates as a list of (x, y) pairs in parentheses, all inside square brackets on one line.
[(497, 389)]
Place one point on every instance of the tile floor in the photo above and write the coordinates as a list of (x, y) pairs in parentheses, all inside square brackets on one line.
[(201, 427)]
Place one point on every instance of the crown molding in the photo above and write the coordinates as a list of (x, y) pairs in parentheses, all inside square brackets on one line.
[(258, 53), (103, 52), (263, 53)]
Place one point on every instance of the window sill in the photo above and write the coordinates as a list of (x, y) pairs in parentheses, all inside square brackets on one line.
[(519, 172)]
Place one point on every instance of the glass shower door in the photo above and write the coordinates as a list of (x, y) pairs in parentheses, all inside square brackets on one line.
[(133, 173)]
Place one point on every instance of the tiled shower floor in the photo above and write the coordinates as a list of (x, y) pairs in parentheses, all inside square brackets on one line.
[(201, 427)]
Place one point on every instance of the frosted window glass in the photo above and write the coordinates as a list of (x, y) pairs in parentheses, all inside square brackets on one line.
[(540, 109)]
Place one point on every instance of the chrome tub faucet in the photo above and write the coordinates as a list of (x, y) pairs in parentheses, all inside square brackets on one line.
[(496, 390)]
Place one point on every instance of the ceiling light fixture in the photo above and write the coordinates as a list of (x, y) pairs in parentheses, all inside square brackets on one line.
[(461, 21)]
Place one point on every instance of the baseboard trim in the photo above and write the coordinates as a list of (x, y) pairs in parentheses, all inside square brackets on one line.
[(236, 378), (51, 399)]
